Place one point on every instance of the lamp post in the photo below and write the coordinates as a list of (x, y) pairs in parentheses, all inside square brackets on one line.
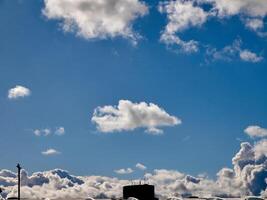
[(19, 168)]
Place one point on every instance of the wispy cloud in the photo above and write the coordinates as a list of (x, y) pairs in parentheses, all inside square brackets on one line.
[(59, 131), (42, 132), (124, 171), (233, 52), (50, 152), (140, 166)]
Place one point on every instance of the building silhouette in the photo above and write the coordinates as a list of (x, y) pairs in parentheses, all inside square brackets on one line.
[(141, 192)]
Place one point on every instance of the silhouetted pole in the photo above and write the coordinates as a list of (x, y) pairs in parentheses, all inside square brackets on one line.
[(19, 168)]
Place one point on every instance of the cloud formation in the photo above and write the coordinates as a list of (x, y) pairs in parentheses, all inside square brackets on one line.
[(128, 116), (18, 92), (256, 131), (59, 131), (232, 52), (97, 19), (124, 171), (247, 177), (50, 152), (249, 8), (140, 166), (185, 14), (181, 16), (42, 132)]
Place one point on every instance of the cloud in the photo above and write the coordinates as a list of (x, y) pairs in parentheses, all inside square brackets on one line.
[(233, 51), (47, 131), (254, 24), (97, 19), (7, 173), (251, 8), (181, 15), (260, 149), (124, 171), (50, 152), (42, 132), (60, 131), (247, 177), (18, 92), (251, 12), (140, 166), (256, 131), (128, 116), (249, 56)]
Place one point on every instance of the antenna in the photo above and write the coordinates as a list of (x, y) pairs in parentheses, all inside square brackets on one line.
[(19, 168)]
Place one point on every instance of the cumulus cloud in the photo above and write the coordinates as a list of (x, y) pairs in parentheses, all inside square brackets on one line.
[(124, 171), (181, 15), (18, 92), (232, 52), (251, 12), (185, 14), (97, 19), (50, 152), (140, 166), (256, 131), (252, 8), (260, 149), (128, 116), (247, 177)]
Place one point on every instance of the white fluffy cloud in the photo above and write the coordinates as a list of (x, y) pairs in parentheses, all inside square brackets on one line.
[(185, 14), (256, 131), (50, 152), (181, 16), (251, 12), (248, 177), (96, 19), (140, 166), (260, 149), (124, 171), (18, 92), (248, 56), (251, 8), (128, 116)]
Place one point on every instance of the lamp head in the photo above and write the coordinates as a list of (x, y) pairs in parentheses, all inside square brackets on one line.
[(18, 166)]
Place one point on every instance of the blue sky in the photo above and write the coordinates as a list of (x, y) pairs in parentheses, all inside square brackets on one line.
[(69, 76)]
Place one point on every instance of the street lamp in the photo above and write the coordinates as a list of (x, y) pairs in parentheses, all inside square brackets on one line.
[(19, 168)]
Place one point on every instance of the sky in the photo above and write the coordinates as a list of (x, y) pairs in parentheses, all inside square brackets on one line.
[(96, 87)]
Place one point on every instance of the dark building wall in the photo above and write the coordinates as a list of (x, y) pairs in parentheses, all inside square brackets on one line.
[(141, 192)]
